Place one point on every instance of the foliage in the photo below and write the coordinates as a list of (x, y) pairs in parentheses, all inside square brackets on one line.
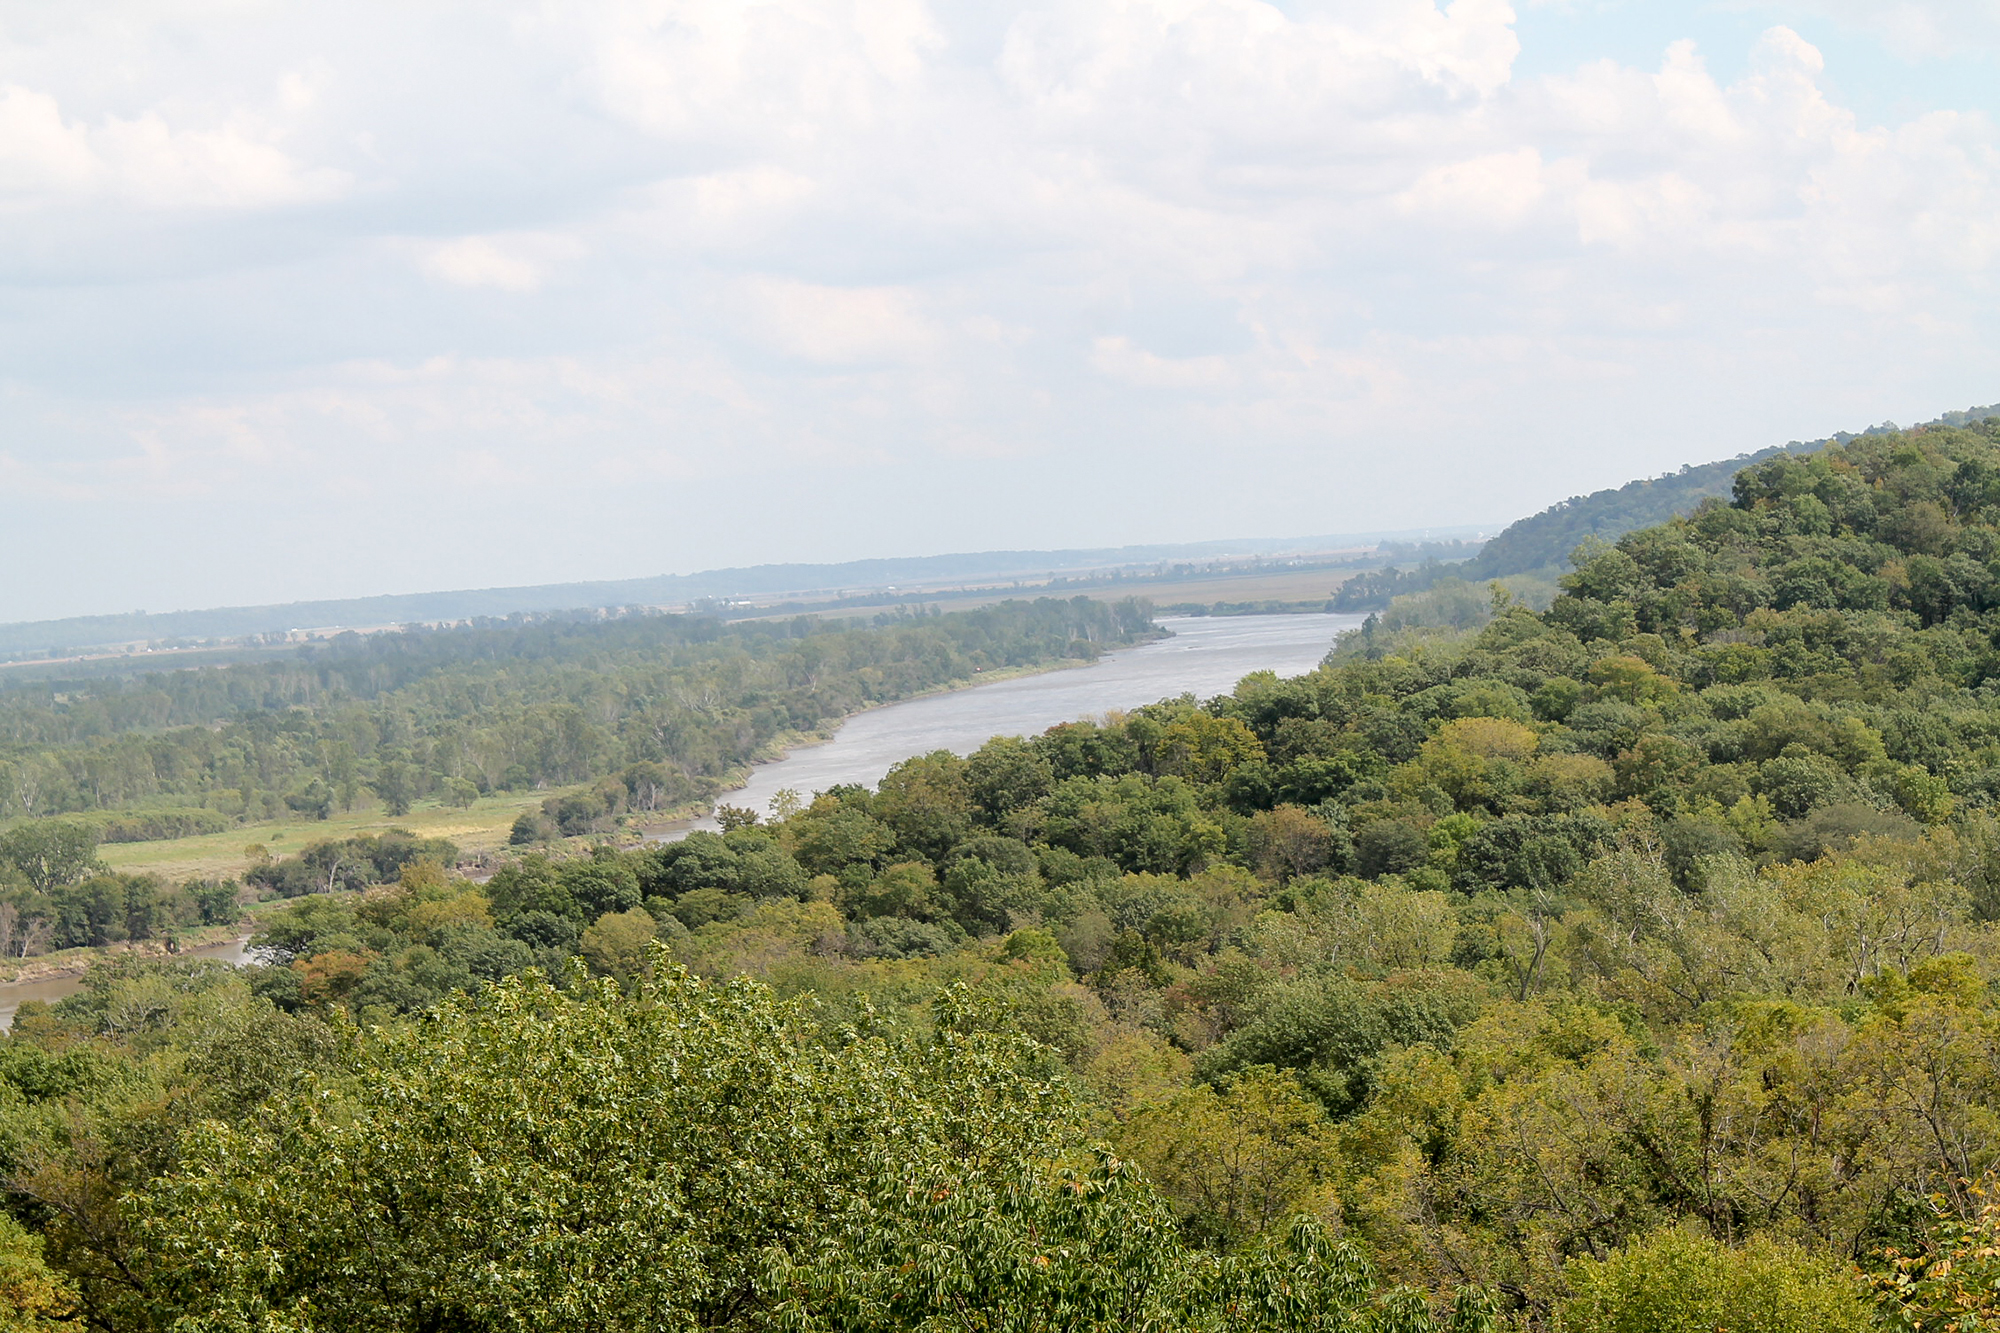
[(697, 1156), (331, 864), (1672, 1282), (1654, 933), (669, 704), (1546, 539), (1953, 1281), (1240, 1159), (33, 1297), (50, 853)]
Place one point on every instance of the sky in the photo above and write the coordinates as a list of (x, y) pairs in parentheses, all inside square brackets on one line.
[(308, 300)]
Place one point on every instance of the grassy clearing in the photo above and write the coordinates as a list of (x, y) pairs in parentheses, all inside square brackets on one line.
[(481, 827)]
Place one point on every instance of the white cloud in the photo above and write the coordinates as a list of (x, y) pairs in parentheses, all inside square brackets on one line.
[(740, 71), (39, 154), (1479, 192), (518, 263), (1119, 359), (143, 160), (1919, 29), (838, 325), (894, 253)]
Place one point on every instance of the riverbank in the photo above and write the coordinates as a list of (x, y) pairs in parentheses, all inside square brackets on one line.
[(482, 829), (65, 963), (479, 831), (1207, 656), (790, 745), (1200, 656)]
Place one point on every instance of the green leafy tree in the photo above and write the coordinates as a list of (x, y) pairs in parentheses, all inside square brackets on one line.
[(396, 783), (615, 945), (50, 853), (699, 1156), (33, 1297), (1239, 1159), (927, 802), (1951, 1282)]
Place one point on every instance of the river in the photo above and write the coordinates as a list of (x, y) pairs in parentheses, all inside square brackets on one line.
[(1205, 656), (14, 994)]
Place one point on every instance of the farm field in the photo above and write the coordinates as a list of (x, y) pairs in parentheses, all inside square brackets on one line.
[(479, 828), (1286, 585)]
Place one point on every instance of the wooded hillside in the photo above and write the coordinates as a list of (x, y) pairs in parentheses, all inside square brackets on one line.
[(1628, 965)]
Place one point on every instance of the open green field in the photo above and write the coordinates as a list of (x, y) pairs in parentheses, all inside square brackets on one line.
[(480, 827), (1281, 585)]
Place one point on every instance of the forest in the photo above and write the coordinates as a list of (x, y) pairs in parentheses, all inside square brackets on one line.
[(1628, 965), (515, 705)]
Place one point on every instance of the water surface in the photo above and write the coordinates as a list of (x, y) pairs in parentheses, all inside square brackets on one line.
[(16, 993), (1206, 656)]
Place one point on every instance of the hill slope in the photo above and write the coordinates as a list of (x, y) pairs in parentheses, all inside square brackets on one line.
[(1544, 540)]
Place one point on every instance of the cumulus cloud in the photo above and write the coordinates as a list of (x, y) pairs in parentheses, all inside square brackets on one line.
[(838, 325), (46, 157), (509, 263), (867, 258), (1119, 359)]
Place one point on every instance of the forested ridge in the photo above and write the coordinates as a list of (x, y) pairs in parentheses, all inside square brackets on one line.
[(1545, 540), (1624, 966), (1542, 542)]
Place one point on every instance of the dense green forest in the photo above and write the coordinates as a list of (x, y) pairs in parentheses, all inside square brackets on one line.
[(456, 712), (1624, 966), (658, 710)]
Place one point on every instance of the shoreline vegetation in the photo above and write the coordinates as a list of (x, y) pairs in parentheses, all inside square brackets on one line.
[(713, 715), (490, 823), (478, 840), (783, 748), (68, 963)]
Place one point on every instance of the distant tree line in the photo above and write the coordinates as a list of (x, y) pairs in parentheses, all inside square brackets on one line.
[(451, 714)]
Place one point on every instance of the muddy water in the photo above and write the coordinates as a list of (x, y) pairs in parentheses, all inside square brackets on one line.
[(14, 994)]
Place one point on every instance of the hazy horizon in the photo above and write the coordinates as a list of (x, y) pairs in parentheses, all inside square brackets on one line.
[(309, 303), (1080, 561)]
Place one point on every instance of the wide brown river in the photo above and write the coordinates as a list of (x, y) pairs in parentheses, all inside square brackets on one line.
[(1205, 656)]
